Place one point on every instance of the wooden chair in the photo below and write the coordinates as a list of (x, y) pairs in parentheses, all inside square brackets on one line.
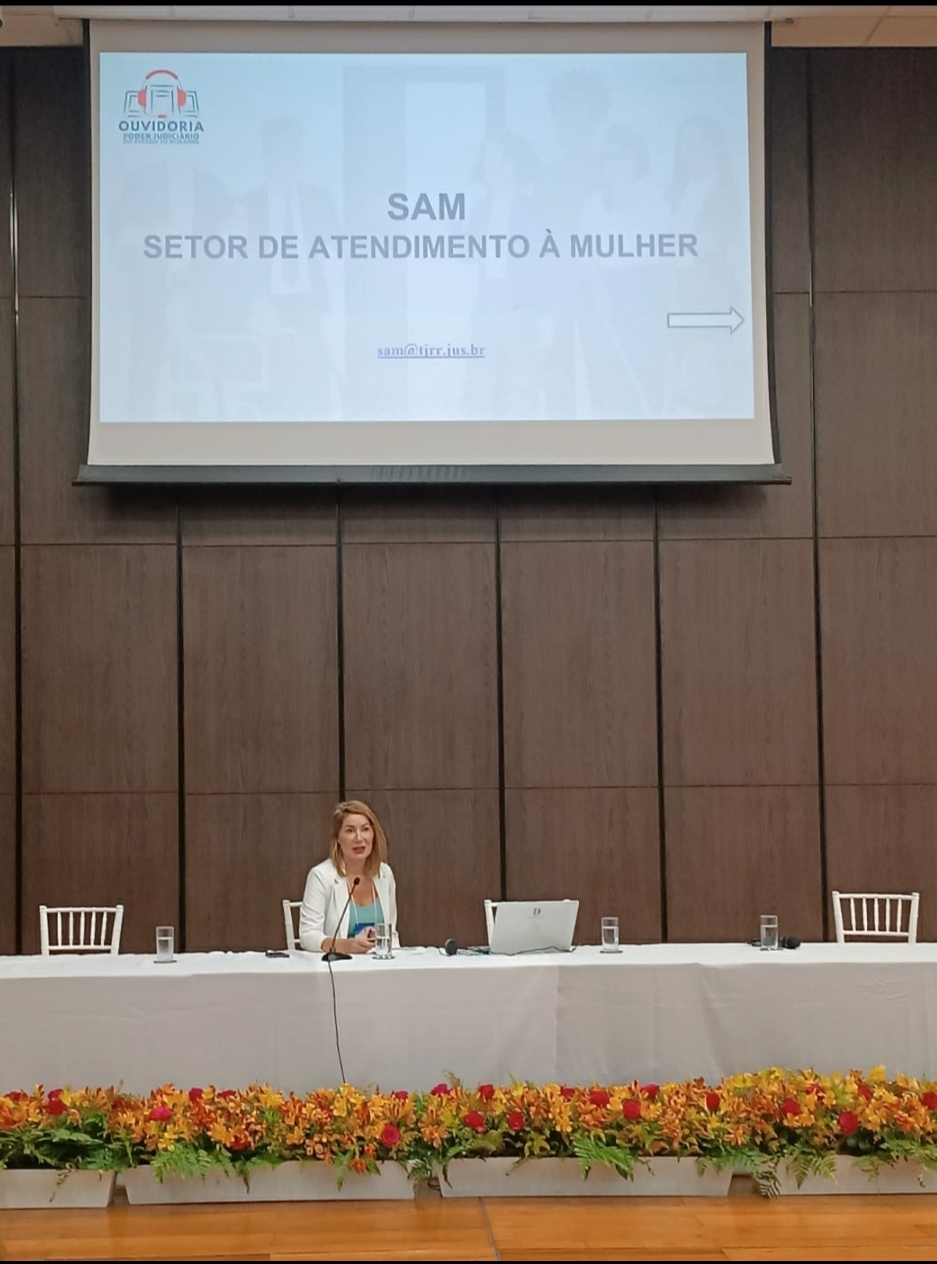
[(292, 937), (867, 916), (80, 929)]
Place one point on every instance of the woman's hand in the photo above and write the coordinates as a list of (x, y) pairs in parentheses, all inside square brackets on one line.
[(363, 941)]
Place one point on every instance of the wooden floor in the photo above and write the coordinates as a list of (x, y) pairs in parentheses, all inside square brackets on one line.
[(741, 1227)]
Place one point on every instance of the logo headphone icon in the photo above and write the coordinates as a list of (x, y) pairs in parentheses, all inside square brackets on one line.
[(181, 96)]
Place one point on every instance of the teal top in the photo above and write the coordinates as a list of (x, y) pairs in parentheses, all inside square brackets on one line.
[(360, 917)]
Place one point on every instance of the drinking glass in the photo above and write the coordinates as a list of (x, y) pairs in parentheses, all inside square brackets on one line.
[(769, 932), (383, 941), (165, 940), (610, 934)]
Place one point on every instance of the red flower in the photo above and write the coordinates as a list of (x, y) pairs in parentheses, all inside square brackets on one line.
[(631, 1109), (790, 1107), (515, 1120), (815, 1088), (239, 1143), (18, 1096), (54, 1092), (55, 1106), (928, 1099), (440, 1090), (848, 1123), (865, 1091), (567, 1092), (161, 1113), (196, 1094), (228, 1092), (474, 1120), (598, 1097), (650, 1091), (486, 1092), (712, 1100), (390, 1135), (401, 1094)]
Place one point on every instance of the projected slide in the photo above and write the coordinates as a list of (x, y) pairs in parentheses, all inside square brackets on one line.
[(406, 240)]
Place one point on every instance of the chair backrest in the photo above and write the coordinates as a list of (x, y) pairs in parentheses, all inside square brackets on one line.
[(80, 929), (491, 907), (292, 937), (862, 915)]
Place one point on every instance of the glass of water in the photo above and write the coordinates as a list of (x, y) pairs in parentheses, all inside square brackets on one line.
[(769, 932), (383, 941), (165, 943), (610, 934)]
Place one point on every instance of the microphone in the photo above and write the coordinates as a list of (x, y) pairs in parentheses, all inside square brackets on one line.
[(332, 955), (451, 949), (790, 941)]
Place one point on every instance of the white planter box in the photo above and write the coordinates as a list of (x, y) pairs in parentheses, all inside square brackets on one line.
[(850, 1178), (289, 1182), (51, 1188), (552, 1178)]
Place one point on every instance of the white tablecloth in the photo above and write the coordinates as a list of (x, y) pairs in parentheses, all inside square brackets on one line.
[(652, 1012)]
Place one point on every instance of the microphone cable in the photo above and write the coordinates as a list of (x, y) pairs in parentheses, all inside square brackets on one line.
[(328, 961), (338, 1046)]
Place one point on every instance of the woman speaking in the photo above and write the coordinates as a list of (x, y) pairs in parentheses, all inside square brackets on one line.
[(352, 890)]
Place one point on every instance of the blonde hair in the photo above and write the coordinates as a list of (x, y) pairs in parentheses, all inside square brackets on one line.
[(378, 853)]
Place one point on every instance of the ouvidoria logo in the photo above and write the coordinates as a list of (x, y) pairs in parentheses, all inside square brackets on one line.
[(161, 112)]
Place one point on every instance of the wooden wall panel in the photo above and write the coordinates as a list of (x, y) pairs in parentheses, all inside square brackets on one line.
[(257, 515), (7, 673), (881, 838), (7, 874), (102, 849), (735, 852), (6, 169), (577, 513), (444, 851), (876, 383), (597, 846), (53, 192), (261, 675), (875, 168), (732, 512), (54, 368), (420, 666), (244, 855), (7, 528), (878, 602), (738, 663), (427, 515), (578, 664), (788, 170), (99, 668)]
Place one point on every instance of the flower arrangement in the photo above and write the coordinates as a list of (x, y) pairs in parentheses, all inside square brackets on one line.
[(807, 1120), (61, 1129), (188, 1133), (619, 1126), (751, 1122)]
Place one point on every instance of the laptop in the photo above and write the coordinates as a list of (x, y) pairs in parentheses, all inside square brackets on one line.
[(530, 925)]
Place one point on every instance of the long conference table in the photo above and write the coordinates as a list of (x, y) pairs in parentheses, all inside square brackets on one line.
[(651, 1012)]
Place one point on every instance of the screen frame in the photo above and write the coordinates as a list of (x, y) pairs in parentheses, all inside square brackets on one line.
[(416, 37)]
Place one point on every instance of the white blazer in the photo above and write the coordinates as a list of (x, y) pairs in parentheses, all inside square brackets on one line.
[(325, 897)]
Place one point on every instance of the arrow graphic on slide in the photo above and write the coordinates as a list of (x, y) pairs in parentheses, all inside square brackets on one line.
[(706, 320)]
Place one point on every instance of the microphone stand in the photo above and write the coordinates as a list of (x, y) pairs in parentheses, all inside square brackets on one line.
[(332, 955)]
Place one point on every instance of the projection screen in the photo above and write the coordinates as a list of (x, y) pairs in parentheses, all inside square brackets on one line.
[(489, 253)]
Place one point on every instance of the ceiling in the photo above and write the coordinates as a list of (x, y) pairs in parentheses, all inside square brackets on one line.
[(844, 25)]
